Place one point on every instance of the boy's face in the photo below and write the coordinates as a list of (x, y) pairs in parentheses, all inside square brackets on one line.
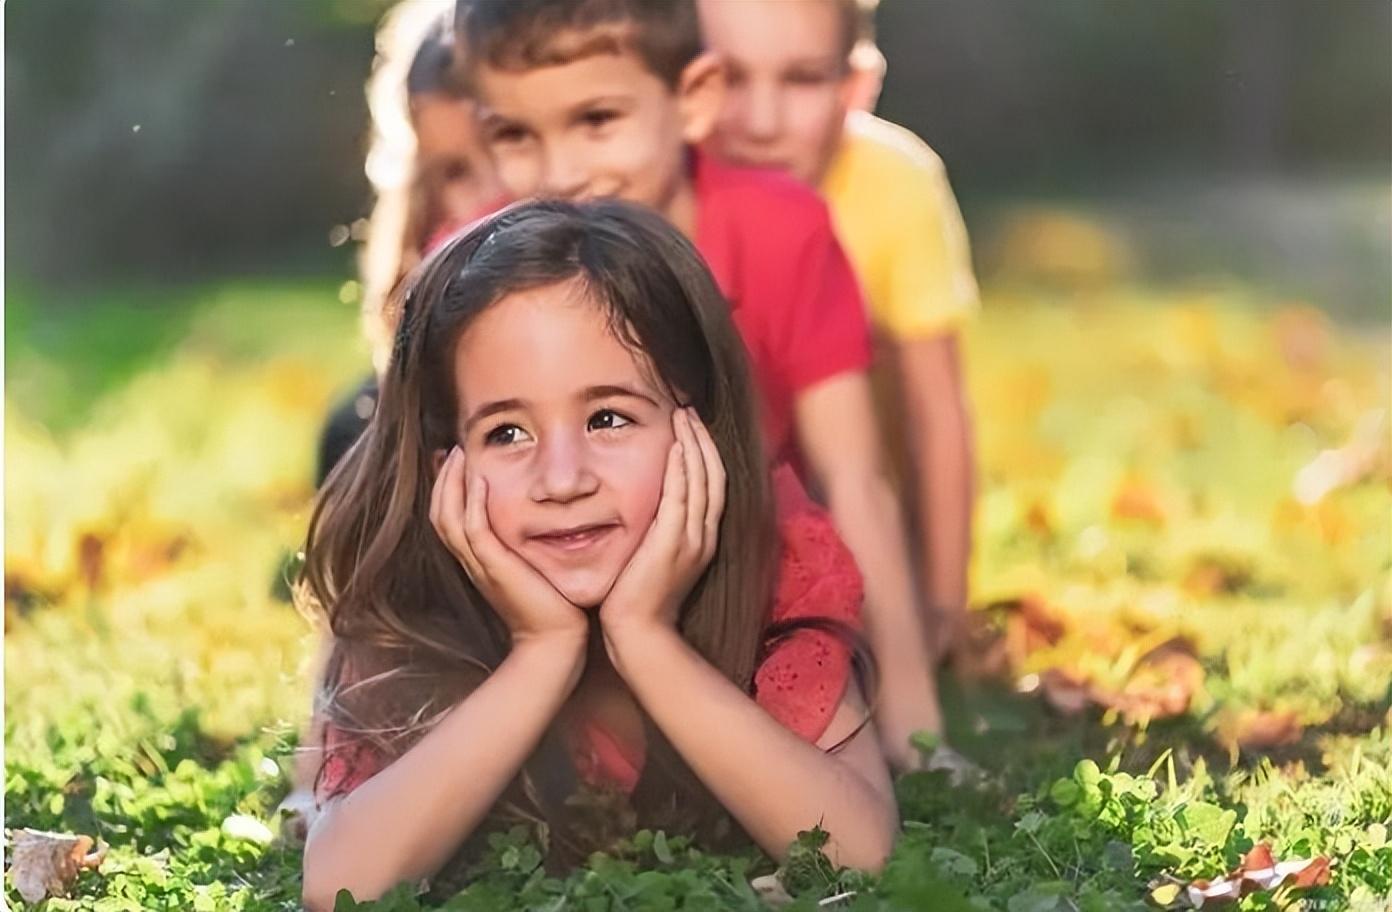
[(787, 82), (570, 431), (602, 125)]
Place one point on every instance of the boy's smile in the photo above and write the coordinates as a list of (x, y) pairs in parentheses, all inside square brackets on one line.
[(601, 125), (569, 430)]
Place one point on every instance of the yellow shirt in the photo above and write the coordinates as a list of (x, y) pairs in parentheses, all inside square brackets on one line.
[(899, 223)]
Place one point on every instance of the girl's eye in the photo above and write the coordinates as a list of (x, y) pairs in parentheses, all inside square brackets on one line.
[(456, 171), (507, 135), (505, 435), (605, 420)]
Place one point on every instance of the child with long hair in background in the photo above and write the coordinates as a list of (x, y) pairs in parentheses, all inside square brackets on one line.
[(430, 176), (558, 558)]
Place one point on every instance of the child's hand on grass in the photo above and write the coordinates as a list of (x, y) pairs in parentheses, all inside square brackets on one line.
[(529, 605), (680, 542)]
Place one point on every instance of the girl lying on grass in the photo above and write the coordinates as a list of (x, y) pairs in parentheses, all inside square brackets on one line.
[(558, 559)]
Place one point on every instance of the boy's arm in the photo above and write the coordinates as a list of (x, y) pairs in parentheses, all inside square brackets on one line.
[(840, 438), (773, 782), (407, 820), (939, 431)]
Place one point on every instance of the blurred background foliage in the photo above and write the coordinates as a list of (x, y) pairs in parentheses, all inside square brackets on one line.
[(158, 140)]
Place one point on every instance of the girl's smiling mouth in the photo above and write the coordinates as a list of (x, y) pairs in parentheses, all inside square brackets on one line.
[(575, 538)]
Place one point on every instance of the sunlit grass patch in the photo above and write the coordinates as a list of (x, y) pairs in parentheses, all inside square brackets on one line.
[(1137, 448)]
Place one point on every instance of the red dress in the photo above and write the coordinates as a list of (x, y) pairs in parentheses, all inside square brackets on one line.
[(800, 683)]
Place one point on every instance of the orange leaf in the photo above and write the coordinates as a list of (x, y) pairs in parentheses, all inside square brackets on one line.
[(1136, 499)]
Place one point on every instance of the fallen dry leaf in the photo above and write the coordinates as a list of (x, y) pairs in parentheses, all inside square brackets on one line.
[(1136, 499), (1000, 636), (46, 864), (1259, 871), (1257, 729), (1162, 684), (1031, 624)]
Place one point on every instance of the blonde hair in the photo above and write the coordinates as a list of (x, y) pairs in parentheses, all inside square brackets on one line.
[(414, 45)]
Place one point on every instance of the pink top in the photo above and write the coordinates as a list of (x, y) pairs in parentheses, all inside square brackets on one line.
[(799, 683)]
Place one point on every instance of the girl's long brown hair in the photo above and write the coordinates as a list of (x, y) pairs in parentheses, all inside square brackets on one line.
[(412, 635), (415, 56)]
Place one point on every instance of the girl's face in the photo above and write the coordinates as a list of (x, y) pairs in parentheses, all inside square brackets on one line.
[(452, 163), (569, 429)]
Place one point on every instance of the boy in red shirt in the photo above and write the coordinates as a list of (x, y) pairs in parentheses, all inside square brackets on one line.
[(588, 98)]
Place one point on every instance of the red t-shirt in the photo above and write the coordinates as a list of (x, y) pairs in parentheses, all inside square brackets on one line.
[(769, 242), (799, 683)]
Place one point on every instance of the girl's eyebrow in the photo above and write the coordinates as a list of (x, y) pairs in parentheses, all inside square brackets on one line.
[(490, 119), (607, 390), (493, 408)]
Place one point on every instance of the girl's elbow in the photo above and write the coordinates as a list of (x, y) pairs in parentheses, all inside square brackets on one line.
[(870, 855), (324, 875), (317, 894), (321, 887), (872, 851)]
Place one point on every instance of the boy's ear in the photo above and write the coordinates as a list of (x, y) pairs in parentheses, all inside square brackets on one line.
[(865, 78), (700, 96)]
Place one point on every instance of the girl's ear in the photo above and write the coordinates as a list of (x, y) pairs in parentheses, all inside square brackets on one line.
[(700, 96), (438, 459)]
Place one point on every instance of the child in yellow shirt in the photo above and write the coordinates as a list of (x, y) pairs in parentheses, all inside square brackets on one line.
[(794, 78)]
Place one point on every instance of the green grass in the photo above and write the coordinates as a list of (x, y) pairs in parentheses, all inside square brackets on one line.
[(158, 464)]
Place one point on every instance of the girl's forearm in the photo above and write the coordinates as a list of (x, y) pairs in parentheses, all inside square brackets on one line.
[(406, 821), (775, 784)]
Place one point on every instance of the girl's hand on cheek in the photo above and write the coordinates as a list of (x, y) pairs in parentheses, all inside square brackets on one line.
[(528, 604), (680, 542)]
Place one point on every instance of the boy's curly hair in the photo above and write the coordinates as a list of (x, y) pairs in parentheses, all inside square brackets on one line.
[(524, 34)]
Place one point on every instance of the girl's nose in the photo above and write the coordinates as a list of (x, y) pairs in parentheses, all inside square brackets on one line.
[(563, 472)]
